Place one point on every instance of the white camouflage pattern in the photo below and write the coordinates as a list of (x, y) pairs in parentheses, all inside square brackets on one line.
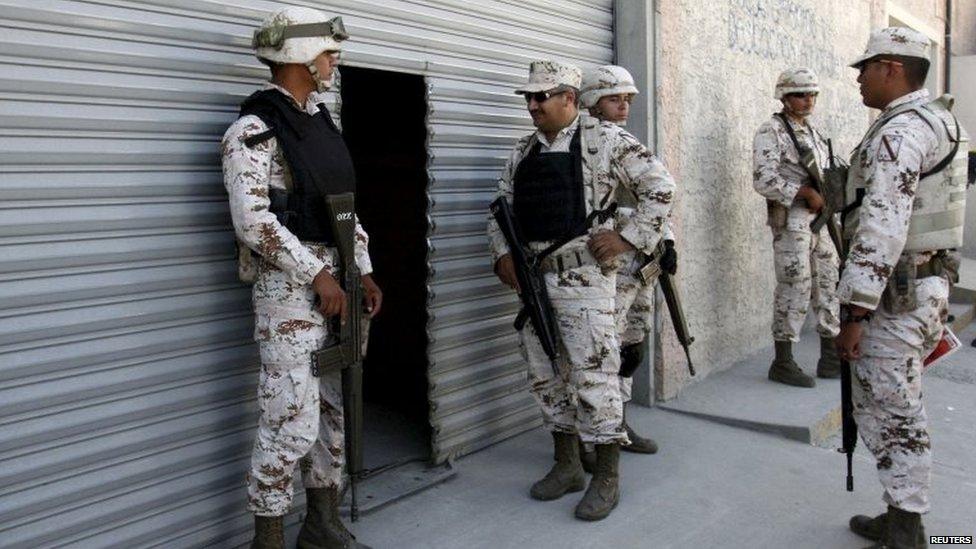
[(549, 74), (888, 396), (806, 264), (301, 415), (895, 41), (800, 80), (586, 398)]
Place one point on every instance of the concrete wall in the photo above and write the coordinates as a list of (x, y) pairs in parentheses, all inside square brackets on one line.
[(717, 71), (964, 27), (964, 70)]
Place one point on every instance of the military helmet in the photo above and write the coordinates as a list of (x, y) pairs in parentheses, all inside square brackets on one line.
[(800, 80), (604, 81), (297, 35)]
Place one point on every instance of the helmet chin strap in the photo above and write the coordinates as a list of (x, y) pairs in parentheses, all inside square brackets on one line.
[(320, 84)]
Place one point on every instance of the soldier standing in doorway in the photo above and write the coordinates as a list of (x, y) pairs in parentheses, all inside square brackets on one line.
[(908, 178), (555, 178), (806, 263), (280, 158)]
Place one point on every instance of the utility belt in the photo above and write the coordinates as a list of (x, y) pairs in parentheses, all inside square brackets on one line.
[(899, 295), (559, 262)]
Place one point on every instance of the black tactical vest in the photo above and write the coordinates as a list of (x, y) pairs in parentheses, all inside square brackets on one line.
[(316, 156), (549, 200)]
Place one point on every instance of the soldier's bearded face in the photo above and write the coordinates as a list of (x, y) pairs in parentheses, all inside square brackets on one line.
[(554, 113)]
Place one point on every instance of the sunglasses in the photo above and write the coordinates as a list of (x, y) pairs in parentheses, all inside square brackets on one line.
[(541, 97), (864, 66)]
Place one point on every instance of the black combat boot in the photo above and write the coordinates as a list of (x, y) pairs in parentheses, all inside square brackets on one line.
[(784, 368), (828, 367), (566, 475), (269, 533), (902, 530), (869, 528), (603, 493), (323, 529), (638, 444)]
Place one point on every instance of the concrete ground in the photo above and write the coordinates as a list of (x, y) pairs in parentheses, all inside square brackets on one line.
[(712, 485)]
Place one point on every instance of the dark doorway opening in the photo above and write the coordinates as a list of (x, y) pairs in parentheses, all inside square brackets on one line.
[(383, 121)]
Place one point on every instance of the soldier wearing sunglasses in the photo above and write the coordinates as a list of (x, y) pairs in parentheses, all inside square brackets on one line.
[(557, 179), (806, 263)]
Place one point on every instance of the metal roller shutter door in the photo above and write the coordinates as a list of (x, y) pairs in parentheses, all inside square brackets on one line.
[(126, 366)]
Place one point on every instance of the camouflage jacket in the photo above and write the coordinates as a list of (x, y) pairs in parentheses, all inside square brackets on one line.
[(620, 159), (248, 174), (777, 174), (888, 166)]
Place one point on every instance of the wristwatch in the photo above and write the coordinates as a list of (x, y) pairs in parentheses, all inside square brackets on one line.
[(847, 317)]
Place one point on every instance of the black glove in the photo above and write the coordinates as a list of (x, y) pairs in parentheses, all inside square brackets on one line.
[(669, 258)]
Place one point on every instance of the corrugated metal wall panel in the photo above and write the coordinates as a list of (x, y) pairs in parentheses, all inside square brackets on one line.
[(126, 368)]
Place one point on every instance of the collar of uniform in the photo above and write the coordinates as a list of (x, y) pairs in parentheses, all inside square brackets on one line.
[(560, 135), (921, 95), (311, 106)]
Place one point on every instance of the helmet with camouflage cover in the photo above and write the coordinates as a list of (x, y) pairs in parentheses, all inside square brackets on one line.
[(801, 80), (297, 35), (604, 81)]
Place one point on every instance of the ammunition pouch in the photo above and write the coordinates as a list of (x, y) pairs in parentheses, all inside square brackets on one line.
[(899, 295)]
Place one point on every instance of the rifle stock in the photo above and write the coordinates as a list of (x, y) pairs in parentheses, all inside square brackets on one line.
[(342, 349)]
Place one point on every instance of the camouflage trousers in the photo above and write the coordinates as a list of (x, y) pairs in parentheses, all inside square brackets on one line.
[(584, 398), (806, 271), (301, 419), (633, 312), (887, 394)]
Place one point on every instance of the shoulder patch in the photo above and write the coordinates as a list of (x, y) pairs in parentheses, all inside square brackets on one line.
[(888, 148)]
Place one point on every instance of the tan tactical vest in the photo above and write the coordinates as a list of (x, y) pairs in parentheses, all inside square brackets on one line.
[(939, 210)]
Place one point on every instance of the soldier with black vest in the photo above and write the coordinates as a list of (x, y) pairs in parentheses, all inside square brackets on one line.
[(555, 179), (907, 181), (280, 158)]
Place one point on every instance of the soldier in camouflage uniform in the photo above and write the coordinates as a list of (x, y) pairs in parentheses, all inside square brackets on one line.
[(295, 289), (907, 180), (806, 264), (607, 92), (542, 179)]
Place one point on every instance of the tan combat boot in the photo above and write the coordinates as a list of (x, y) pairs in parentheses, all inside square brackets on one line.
[(269, 533), (901, 530), (323, 529), (603, 493), (785, 370), (567, 473)]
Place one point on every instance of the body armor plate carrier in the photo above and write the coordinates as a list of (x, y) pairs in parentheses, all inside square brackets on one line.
[(316, 157), (548, 196)]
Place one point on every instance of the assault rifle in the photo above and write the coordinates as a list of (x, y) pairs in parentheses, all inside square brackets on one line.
[(536, 307), (343, 348), (848, 425), (647, 273)]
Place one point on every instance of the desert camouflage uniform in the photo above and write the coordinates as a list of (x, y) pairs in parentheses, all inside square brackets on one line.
[(301, 415), (806, 264), (585, 399), (634, 304), (887, 394)]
